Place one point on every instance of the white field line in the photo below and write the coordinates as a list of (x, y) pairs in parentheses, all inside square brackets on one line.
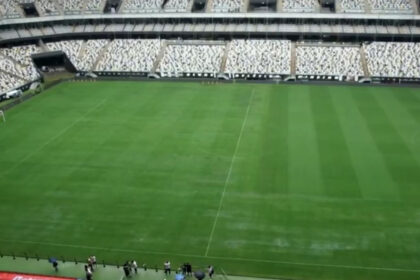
[(168, 254), (238, 142), (52, 139)]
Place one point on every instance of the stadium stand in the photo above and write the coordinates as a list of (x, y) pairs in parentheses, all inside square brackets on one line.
[(236, 58), (16, 65), (73, 6), (227, 6), (351, 6), (259, 57), (391, 6), (10, 9), (393, 59), (95, 6), (20, 54), (71, 48), (47, 7), (177, 5), (328, 60), (141, 6), (129, 56), (90, 53), (192, 58), (299, 6), (9, 82), (21, 71)]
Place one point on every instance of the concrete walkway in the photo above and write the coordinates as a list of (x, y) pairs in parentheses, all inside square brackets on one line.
[(109, 272)]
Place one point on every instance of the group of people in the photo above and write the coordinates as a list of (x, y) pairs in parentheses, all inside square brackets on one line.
[(130, 267), (184, 270), (90, 267)]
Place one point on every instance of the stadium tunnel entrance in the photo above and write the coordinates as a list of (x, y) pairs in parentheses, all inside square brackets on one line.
[(54, 65)]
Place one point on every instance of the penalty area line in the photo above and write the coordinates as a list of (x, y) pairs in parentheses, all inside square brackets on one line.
[(250, 260), (238, 142)]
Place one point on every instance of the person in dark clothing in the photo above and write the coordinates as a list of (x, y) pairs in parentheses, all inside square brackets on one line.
[(127, 269), (55, 265), (211, 271), (189, 269), (184, 269)]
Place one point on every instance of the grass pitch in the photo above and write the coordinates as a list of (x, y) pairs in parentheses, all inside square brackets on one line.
[(302, 182)]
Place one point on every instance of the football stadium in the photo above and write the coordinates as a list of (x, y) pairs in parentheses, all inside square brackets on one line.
[(210, 139)]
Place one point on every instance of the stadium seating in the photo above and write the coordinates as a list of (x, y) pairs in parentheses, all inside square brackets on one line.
[(9, 9), (17, 66), (90, 54), (94, 5), (391, 6), (139, 6), (188, 58), (328, 60), (209, 58), (21, 54), (73, 6), (259, 57), (71, 48), (129, 55), (299, 6), (47, 7), (351, 6), (9, 82), (22, 71), (227, 6), (393, 59), (177, 5)]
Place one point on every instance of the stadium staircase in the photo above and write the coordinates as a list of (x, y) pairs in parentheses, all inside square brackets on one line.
[(209, 4), (84, 5), (59, 7), (293, 59), (190, 6), (364, 61), (338, 7), (82, 50), (368, 7), (159, 56), (279, 6), (415, 6), (100, 55), (43, 47), (245, 6), (225, 57)]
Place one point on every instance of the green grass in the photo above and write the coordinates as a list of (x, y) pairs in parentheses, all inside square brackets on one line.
[(301, 182)]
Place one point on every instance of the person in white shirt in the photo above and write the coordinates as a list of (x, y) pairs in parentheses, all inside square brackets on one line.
[(167, 267), (134, 265)]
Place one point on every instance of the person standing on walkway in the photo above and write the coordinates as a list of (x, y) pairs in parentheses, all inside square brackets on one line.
[(54, 263), (211, 271), (134, 266), (167, 267)]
